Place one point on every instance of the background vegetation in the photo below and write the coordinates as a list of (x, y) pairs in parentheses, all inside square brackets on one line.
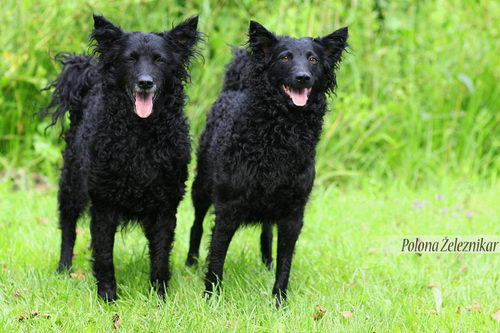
[(418, 94), (410, 147)]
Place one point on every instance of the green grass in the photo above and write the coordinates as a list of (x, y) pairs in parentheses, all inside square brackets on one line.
[(417, 96), (341, 263)]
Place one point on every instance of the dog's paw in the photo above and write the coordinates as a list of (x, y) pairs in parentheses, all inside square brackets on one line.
[(207, 294), (191, 261), (160, 287), (161, 294), (211, 288), (107, 291), (63, 267), (280, 298), (268, 264)]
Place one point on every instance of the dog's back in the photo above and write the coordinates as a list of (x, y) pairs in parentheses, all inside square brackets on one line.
[(237, 71), (230, 101)]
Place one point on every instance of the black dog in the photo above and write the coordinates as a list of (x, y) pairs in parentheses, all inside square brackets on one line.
[(128, 144), (256, 155)]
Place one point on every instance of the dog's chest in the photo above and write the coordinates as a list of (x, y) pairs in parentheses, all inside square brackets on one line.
[(276, 147), (267, 183), (275, 160), (135, 169)]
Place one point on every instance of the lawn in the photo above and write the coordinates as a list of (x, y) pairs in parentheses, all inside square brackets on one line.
[(346, 262)]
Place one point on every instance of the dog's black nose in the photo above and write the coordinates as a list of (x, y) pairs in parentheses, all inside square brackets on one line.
[(145, 82), (302, 77)]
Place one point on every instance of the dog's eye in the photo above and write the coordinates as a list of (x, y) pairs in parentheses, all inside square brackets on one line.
[(131, 59), (284, 58), (313, 60), (159, 59)]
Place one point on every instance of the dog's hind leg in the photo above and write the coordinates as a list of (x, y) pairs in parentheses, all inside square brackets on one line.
[(288, 233), (266, 245), (67, 223), (201, 203), (159, 230), (72, 202)]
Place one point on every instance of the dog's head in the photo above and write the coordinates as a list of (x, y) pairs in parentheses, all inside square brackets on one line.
[(299, 68), (145, 64)]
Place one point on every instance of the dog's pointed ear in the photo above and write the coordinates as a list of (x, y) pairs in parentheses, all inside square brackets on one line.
[(184, 36), (105, 33), (334, 44), (100, 22), (260, 39)]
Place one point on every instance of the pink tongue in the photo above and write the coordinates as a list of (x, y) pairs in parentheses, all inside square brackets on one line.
[(299, 97), (144, 104)]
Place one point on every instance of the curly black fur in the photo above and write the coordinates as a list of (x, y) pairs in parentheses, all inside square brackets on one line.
[(126, 166), (257, 153)]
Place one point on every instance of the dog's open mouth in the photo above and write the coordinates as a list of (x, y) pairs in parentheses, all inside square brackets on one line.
[(299, 96), (143, 103)]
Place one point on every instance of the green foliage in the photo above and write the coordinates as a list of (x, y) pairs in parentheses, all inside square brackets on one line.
[(418, 94)]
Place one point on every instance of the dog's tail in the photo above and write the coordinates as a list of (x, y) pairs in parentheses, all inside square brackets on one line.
[(78, 75), (237, 71)]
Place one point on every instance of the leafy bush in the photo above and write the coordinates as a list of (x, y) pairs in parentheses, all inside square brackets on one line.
[(417, 99)]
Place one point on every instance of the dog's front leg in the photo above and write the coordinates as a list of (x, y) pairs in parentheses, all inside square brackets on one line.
[(103, 226), (223, 232), (288, 233), (159, 231)]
